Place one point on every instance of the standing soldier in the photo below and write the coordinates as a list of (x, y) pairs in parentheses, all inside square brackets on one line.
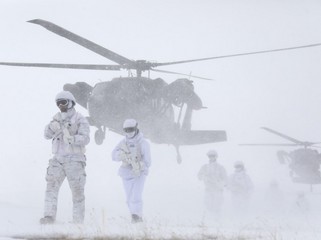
[(241, 187), (134, 153), (69, 132), (274, 199), (302, 203), (214, 177)]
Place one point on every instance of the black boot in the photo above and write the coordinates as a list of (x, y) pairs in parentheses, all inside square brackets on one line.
[(47, 220), (136, 218)]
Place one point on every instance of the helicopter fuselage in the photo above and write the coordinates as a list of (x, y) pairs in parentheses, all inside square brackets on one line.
[(150, 102)]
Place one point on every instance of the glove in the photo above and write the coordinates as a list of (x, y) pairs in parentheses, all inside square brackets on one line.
[(69, 139), (122, 156), (54, 126)]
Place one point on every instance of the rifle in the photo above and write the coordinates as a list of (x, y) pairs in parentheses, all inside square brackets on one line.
[(132, 159), (66, 136), (65, 133)]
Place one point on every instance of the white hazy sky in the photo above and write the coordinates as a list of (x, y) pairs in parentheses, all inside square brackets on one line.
[(278, 90)]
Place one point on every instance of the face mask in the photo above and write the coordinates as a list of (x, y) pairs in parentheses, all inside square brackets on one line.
[(130, 134), (239, 169), (212, 159)]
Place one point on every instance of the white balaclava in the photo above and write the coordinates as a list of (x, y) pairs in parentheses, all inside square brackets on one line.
[(212, 155), (239, 166)]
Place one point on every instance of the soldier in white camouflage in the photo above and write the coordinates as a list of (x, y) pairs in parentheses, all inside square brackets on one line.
[(241, 188), (69, 132), (214, 177), (134, 154)]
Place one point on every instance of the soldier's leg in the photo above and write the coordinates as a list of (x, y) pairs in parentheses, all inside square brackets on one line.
[(218, 199), (136, 200), (128, 184), (55, 176), (208, 201), (76, 176)]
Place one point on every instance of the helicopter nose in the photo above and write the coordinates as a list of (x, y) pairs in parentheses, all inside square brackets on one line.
[(81, 92), (182, 91)]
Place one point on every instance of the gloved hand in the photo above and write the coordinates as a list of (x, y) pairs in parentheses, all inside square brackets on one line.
[(122, 156), (54, 126), (69, 139)]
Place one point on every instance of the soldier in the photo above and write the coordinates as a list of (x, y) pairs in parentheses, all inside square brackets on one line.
[(134, 154), (241, 187), (302, 203), (69, 132), (214, 177), (274, 199)]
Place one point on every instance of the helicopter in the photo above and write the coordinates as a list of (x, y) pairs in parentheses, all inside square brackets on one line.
[(152, 102), (304, 162)]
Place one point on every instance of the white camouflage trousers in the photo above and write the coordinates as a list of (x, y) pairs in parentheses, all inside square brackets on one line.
[(213, 201), (76, 176), (134, 190)]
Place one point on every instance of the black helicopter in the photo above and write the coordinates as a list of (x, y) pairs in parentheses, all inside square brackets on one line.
[(151, 102), (304, 163)]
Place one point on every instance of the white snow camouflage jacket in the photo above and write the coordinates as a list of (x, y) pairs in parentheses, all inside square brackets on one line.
[(139, 144), (214, 176), (240, 183), (78, 127)]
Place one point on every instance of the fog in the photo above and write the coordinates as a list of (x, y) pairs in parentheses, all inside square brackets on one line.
[(280, 90)]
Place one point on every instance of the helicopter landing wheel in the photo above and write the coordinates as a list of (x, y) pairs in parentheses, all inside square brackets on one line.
[(179, 159), (99, 136)]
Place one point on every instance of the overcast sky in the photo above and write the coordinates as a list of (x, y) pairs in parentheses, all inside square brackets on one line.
[(278, 90)]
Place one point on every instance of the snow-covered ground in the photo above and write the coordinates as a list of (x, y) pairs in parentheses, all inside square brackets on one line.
[(173, 203), (279, 90)]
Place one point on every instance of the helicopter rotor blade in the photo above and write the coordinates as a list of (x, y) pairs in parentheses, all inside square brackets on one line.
[(183, 74), (238, 54), (286, 137), (269, 144), (62, 65), (316, 146), (313, 144), (82, 42)]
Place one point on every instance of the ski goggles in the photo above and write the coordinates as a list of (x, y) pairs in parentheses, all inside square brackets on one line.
[(62, 102), (130, 129)]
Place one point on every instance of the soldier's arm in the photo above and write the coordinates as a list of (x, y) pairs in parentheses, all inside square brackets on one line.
[(83, 134), (250, 185), (48, 133), (146, 154), (52, 130), (118, 153), (200, 174)]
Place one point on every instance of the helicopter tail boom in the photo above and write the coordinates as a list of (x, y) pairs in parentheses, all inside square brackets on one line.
[(196, 137)]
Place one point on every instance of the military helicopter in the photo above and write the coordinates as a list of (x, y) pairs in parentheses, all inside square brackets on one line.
[(151, 102), (304, 163)]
